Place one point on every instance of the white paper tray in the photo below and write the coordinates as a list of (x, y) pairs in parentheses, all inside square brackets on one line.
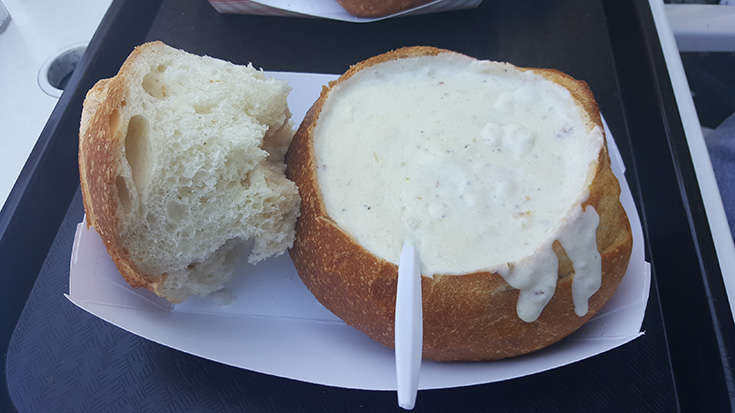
[(275, 325), (328, 9)]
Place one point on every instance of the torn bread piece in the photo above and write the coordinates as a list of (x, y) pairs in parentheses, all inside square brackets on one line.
[(181, 169)]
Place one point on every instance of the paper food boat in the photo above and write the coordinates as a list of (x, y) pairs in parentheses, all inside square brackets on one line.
[(270, 323)]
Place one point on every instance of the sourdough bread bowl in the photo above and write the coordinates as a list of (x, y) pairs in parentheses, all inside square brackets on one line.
[(499, 175), (181, 169)]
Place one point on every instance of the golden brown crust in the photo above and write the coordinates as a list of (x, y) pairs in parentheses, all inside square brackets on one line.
[(101, 138), (378, 8), (468, 317)]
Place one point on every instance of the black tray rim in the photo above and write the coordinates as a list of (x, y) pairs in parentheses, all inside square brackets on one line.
[(107, 51)]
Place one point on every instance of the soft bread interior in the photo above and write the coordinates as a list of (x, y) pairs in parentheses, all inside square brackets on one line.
[(199, 170)]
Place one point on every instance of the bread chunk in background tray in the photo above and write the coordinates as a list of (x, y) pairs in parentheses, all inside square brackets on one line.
[(379, 8)]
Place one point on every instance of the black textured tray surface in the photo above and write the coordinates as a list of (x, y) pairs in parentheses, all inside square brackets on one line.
[(64, 359), (61, 358)]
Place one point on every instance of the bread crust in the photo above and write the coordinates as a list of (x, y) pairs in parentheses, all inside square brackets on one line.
[(466, 317), (378, 8), (101, 141)]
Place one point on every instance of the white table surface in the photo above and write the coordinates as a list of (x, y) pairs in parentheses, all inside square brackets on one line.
[(38, 30)]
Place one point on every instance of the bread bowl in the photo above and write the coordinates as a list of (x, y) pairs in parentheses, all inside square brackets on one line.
[(181, 169), (348, 259)]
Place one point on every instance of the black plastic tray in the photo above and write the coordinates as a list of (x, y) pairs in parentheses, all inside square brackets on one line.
[(59, 358)]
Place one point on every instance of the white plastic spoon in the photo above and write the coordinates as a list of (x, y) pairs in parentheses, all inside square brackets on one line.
[(409, 331)]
